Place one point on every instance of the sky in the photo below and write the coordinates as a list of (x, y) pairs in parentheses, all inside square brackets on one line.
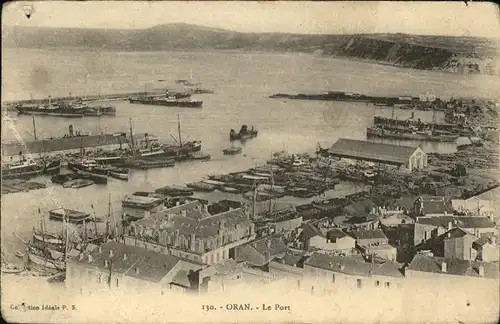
[(425, 18)]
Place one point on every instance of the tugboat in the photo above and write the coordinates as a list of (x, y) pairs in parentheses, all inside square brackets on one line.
[(244, 133)]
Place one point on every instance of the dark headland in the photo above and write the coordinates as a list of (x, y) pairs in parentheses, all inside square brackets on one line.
[(445, 53)]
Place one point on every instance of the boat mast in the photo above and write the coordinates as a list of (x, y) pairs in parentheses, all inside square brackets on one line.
[(107, 218), (65, 229), (179, 129), (272, 187), (94, 220), (254, 200), (34, 127), (43, 235), (132, 137)]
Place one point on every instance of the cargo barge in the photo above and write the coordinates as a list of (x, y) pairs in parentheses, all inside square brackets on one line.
[(454, 128)]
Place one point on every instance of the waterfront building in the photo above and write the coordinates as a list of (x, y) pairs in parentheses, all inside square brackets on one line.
[(189, 231), (402, 157), (114, 266)]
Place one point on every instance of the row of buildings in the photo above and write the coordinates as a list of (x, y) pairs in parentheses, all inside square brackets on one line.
[(192, 247)]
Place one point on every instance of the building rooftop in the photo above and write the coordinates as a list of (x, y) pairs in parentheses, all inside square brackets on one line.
[(484, 239), (369, 234), (457, 221), (377, 152), (435, 205), (424, 263), (261, 251), (353, 265), (131, 260), (360, 208), (197, 222), (491, 195)]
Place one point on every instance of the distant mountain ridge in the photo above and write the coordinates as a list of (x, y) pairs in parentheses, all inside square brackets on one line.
[(415, 51)]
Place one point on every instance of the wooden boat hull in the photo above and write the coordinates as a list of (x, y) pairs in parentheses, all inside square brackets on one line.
[(117, 175), (47, 263)]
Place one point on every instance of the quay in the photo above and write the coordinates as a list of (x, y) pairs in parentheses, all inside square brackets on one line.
[(87, 98)]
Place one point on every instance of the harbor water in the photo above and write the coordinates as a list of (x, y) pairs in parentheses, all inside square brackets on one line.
[(242, 83)]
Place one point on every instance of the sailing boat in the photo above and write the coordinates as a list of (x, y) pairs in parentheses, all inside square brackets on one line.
[(45, 256), (182, 147)]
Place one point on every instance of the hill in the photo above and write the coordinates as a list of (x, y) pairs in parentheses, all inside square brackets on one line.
[(416, 51)]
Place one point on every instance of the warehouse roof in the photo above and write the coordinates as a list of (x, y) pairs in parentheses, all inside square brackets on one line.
[(371, 151)]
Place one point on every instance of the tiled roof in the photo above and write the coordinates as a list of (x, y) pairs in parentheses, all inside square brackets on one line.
[(272, 244), (336, 233), (181, 279), (492, 195), (293, 259), (353, 265), (203, 227), (453, 266), (226, 267), (360, 208), (457, 221), (369, 234), (372, 151), (455, 233), (151, 266)]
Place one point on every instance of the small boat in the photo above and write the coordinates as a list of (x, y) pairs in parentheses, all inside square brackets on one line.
[(19, 254), (72, 216), (78, 183), (118, 175), (232, 151), (97, 178), (201, 186)]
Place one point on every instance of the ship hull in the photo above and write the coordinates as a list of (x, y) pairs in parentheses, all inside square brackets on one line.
[(35, 171), (410, 136), (63, 144), (173, 103), (44, 262)]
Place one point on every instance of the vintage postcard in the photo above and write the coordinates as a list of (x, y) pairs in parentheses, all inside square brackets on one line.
[(282, 162)]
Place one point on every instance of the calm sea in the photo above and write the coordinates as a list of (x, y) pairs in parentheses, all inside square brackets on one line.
[(242, 84)]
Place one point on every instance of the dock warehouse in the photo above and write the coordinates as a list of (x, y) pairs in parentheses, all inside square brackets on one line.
[(405, 157)]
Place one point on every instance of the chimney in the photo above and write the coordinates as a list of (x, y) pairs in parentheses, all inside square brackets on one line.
[(124, 256), (184, 213), (106, 264), (100, 249), (450, 226), (177, 203), (90, 258), (136, 270), (481, 270), (493, 240), (222, 223), (341, 267), (110, 253), (443, 266), (81, 256), (445, 213), (268, 243), (330, 264)]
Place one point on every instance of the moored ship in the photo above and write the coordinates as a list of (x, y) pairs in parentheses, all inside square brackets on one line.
[(27, 168), (426, 135), (72, 141), (168, 102)]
